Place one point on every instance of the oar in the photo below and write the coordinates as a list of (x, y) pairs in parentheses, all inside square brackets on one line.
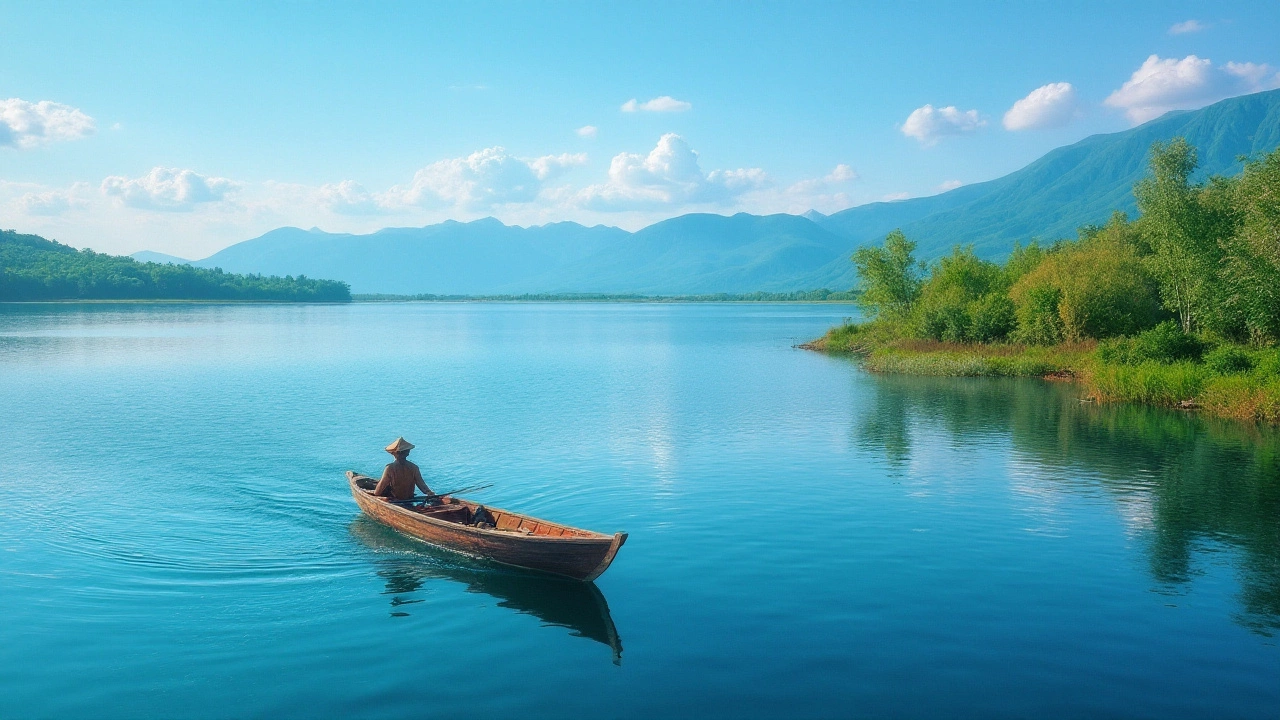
[(424, 498)]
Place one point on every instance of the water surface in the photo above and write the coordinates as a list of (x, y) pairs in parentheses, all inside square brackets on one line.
[(176, 537)]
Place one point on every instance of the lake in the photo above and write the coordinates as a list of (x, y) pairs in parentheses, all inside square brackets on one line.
[(806, 539)]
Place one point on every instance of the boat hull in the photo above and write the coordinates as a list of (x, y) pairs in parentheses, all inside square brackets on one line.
[(578, 554)]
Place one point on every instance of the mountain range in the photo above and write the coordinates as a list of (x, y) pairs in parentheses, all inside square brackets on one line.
[(1071, 186)]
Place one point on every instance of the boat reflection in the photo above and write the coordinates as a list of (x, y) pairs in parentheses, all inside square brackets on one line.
[(576, 606)]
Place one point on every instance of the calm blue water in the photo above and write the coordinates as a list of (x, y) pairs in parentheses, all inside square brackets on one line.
[(176, 537)]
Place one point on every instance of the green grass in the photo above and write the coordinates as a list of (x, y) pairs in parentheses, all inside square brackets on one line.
[(1247, 388)]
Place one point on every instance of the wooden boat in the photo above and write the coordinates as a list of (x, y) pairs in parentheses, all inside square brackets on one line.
[(579, 607), (518, 540)]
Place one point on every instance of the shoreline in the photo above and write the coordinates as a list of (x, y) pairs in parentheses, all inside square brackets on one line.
[(1186, 386)]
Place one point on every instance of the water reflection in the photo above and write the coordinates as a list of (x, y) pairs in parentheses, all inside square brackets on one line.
[(1184, 482), (407, 565)]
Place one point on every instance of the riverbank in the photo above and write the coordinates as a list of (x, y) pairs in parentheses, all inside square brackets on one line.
[(803, 296), (1227, 381)]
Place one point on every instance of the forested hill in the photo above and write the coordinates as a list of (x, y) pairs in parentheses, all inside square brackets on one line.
[(33, 268)]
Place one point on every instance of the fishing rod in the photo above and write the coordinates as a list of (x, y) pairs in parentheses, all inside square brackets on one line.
[(434, 496)]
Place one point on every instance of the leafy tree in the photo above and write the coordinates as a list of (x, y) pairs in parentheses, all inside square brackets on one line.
[(889, 277), (964, 300), (1098, 287), (1251, 268), (1178, 229)]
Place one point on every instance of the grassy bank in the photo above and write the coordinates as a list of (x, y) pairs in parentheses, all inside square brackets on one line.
[(1226, 380)]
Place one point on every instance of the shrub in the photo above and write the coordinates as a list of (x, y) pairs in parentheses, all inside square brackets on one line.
[(1229, 359), (1103, 291), (1037, 313), (992, 318), (1167, 343)]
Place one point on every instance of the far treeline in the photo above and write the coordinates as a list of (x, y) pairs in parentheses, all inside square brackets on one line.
[(822, 295), (1179, 307), (33, 268)]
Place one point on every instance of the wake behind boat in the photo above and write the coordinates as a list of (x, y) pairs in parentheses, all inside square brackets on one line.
[(514, 539)]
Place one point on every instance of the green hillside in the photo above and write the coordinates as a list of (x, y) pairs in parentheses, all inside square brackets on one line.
[(33, 268), (1069, 187), (1073, 186)]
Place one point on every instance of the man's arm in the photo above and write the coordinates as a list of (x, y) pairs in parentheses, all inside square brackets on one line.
[(384, 485), (417, 480)]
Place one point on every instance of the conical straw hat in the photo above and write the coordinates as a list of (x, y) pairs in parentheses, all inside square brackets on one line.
[(399, 445)]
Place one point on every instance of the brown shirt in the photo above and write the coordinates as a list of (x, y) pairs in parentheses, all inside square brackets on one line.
[(398, 480)]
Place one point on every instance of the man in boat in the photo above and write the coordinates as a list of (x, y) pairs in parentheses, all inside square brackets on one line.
[(399, 478)]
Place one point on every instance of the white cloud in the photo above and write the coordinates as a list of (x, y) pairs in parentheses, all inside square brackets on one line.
[(1048, 106), (548, 166), (928, 124), (168, 189), (664, 103), (668, 176), (825, 194), (51, 203), (1161, 85), (1187, 26), (26, 125), (946, 185), (588, 131), (841, 173), (894, 197), (348, 198), (482, 180)]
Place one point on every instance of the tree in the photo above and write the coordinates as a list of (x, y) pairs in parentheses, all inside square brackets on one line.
[(964, 300), (1251, 269), (889, 277), (1097, 287), (1179, 232)]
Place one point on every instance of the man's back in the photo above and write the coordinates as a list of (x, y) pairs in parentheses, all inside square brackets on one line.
[(399, 479)]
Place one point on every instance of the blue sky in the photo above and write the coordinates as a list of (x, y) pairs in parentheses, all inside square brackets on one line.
[(184, 128)]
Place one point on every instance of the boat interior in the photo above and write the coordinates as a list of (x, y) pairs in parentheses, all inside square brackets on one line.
[(465, 513)]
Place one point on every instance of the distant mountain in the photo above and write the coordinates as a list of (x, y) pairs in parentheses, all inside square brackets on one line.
[(701, 253), (698, 253), (1071, 186), (478, 257), (160, 258)]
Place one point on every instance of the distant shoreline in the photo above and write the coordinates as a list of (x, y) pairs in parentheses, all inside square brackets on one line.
[(813, 296)]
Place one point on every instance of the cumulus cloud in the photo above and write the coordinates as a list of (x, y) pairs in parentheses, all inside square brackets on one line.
[(1052, 105), (50, 203), (168, 189), (588, 131), (549, 166), (841, 173), (929, 124), (668, 176), (664, 103), (1161, 85), (826, 194), (1187, 26), (946, 185), (26, 124), (348, 198), (481, 180)]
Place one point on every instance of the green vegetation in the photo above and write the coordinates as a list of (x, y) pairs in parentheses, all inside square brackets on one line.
[(1179, 308), (822, 295), (33, 268)]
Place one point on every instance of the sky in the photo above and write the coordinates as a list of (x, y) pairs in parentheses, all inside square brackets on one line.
[(185, 127)]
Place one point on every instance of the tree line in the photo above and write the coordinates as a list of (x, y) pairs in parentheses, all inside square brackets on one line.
[(1203, 257), (33, 268)]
